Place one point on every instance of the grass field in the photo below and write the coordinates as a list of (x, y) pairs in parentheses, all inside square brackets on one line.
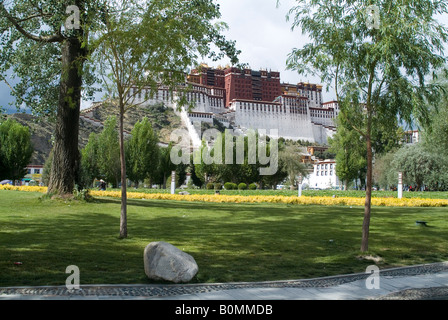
[(230, 242)]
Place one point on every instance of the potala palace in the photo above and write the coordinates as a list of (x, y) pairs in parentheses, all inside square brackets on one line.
[(247, 99)]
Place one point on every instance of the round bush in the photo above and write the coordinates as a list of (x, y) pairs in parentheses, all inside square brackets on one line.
[(229, 186), (242, 186), (252, 186), (210, 186), (218, 186)]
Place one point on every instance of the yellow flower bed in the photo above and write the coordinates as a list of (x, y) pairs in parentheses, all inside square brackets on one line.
[(23, 188), (328, 201), (348, 201)]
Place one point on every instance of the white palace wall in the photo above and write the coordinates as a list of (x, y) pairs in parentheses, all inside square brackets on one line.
[(291, 116), (290, 123)]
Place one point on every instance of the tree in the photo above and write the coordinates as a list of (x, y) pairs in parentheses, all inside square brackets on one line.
[(15, 149), (291, 158), (50, 61), (435, 136), (204, 170), (420, 167), (213, 164), (383, 173), (90, 157), (46, 171), (350, 153), (379, 63), (148, 44), (165, 166), (142, 152), (109, 152)]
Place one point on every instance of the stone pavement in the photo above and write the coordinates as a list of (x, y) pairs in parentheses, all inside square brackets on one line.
[(422, 282)]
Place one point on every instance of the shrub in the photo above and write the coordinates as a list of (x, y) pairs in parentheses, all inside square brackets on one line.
[(82, 195), (252, 186), (210, 186), (218, 186), (242, 186), (235, 186), (228, 186)]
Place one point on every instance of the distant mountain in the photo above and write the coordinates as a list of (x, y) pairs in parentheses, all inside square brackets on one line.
[(12, 109), (163, 119)]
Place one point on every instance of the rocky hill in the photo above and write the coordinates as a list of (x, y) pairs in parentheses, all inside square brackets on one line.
[(163, 119)]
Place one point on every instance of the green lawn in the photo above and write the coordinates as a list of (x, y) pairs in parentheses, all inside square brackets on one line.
[(230, 242)]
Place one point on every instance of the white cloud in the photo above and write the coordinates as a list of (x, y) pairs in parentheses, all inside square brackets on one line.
[(264, 36)]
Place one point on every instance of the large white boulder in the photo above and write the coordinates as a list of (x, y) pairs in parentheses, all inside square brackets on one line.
[(164, 261)]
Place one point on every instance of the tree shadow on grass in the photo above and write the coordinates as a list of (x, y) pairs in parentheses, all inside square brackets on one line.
[(230, 242)]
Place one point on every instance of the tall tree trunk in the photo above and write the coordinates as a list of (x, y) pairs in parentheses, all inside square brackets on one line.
[(123, 217), (367, 206), (66, 157), (369, 175)]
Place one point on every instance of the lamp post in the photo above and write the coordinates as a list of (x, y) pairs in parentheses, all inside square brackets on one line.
[(299, 180), (173, 181), (400, 185)]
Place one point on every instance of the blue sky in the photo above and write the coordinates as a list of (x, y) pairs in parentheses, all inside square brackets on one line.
[(263, 35)]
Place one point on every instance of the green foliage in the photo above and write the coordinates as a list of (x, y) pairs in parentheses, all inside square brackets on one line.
[(165, 166), (242, 186), (435, 136), (383, 173), (194, 178), (47, 169), (216, 165), (379, 74), (142, 152), (229, 185), (90, 168), (291, 159), (421, 167), (350, 151), (109, 152), (163, 38), (82, 195), (210, 186), (217, 186), (33, 51), (15, 150), (252, 186)]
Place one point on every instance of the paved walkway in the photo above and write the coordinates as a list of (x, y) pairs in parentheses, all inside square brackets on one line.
[(422, 282)]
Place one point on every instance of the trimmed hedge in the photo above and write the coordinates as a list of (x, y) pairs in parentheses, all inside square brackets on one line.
[(228, 186), (242, 186), (252, 186)]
